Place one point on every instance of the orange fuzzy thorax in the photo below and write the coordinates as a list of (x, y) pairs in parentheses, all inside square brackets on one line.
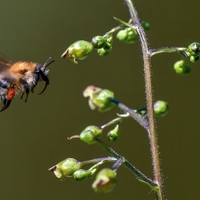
[(22, 67)]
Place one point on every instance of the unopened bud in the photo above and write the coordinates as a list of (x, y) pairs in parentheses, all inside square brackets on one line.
[(105, 181), (79, 50), (113, 134), (128, 35), (145, 25), (81, 174), (193, 49), (182, 67), (90, 134), (194, 59), (98, 41), (160, 108), (65, 168)]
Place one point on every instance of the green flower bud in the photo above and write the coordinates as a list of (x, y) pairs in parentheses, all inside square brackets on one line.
[(78, 50), (122, 35), (193, 49), (103, 52), (145, 25), (194, 59), (182, 67), (102, 100), (113, 134), (81, 174), (99, 98), (109, 39), (107, 47), (65, 168), (105, 181), (160, 108), (127, 35), (90, 134), (98, 41)]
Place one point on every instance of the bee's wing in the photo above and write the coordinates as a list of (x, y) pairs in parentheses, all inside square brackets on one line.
[(5, 78), (5, 63)]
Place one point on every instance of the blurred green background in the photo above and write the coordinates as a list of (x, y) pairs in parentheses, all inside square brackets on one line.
[(34, 134)]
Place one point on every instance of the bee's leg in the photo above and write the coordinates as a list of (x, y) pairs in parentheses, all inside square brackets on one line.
[(8, 99), (37, 77), (27, 93), (22, 96), (44, 78), (6, 104), (26, 87), (32, 89)]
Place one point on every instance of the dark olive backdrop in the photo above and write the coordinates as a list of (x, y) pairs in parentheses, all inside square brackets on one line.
[(34, 134)]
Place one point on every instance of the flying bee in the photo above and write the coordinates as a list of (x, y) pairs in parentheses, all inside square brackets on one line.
[(20, 76)]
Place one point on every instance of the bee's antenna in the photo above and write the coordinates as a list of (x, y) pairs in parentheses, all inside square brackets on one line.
[(47, 63)]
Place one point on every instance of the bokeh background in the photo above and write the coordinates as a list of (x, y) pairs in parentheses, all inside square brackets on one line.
[(34, 134)]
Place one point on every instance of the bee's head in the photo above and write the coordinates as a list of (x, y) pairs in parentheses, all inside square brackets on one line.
[(42, 73)]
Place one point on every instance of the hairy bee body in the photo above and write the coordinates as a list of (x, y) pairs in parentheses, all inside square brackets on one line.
[(20, 76)]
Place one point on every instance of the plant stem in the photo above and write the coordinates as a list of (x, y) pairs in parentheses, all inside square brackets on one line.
[(166, 50), (140, 176), (143, 122), (97, 160), (114, 121), (149, 101)]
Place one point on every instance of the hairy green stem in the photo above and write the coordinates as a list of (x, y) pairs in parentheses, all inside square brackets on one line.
[(160, 195), (143, 122), (167, 50), (140, 176), (97, 160), (114, 121)]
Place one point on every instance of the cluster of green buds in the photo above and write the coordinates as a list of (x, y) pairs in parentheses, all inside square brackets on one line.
[(105, 179), (193, 52), (81, 49), (70, 167), (103, 44), (99, 98), (129, 35), (91, 134)]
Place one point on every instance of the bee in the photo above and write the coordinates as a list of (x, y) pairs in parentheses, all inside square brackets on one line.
[(20, 76)]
